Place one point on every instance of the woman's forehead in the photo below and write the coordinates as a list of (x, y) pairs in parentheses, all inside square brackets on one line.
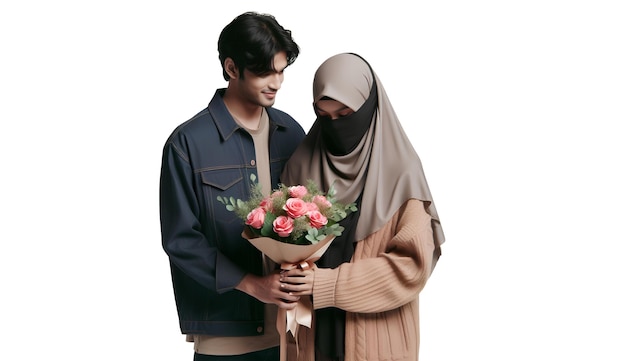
[(330, 105)]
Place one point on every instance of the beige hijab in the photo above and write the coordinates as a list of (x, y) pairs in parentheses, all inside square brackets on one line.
[(384, 166)]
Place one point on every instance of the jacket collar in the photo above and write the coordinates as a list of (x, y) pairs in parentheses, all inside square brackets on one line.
[(224, 121)]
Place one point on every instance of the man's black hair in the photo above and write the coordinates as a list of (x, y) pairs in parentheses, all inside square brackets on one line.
[(252, 40)]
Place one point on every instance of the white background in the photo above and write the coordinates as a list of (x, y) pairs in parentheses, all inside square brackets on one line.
[(515, 108)]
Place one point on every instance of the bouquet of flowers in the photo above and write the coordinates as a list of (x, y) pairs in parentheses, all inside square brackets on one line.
[(298, 214), (293, 226)]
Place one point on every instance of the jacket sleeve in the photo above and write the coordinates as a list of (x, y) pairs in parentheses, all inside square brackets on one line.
[(381, 276), (182, 238)]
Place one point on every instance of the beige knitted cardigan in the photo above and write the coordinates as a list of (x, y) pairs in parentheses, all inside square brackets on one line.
[(379, 289)]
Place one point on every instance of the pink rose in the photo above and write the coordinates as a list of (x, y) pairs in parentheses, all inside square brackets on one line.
[(297, 191), (317, 220), (312, 207), (295, 207), (266, 204), (256, 218), (283, 226), (322, 202)]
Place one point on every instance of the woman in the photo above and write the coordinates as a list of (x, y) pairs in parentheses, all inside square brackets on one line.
[(366, 286)]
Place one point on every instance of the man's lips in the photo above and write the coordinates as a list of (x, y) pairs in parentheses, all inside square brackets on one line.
[(269, 95)]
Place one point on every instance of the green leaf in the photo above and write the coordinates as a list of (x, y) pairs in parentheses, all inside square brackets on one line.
[(310, 238), (267, 232), (268, 228)]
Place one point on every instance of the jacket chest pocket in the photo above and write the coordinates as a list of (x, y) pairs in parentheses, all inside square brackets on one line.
[(226, 183)]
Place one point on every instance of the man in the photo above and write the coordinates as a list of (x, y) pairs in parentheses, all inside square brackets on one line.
[(226, 293)]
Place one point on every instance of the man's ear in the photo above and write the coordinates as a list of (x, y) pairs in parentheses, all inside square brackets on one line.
[(231, 68)]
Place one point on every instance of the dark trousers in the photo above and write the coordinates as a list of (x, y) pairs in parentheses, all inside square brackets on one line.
[(270, 354)]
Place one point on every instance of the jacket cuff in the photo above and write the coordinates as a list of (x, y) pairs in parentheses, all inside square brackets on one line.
[(324, 288)]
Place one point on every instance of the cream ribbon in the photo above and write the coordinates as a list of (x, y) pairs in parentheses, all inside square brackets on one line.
[(302, 314)]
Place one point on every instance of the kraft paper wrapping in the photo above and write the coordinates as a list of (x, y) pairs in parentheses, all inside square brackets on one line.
[(290, 256)]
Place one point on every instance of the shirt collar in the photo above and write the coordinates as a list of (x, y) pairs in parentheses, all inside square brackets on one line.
[(224, 121)]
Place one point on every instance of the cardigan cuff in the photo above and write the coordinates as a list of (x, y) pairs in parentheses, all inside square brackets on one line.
[(324, 288)]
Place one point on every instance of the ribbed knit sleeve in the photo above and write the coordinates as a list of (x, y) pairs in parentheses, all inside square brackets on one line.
[(389, 268)]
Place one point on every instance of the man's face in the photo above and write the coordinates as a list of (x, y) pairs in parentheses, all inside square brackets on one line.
[(261, 89)]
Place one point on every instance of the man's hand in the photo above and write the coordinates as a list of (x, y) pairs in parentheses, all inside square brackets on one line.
[(269, 289)]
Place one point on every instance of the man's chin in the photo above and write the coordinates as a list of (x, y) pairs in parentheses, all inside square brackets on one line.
[(268, 103)]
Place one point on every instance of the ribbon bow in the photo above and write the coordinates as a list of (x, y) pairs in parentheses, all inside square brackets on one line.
[(302, 314)]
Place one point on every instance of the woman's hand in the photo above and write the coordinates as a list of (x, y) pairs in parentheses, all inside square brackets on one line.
[(298, 281)]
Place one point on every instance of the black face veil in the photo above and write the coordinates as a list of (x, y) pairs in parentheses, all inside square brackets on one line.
[(342, 135)]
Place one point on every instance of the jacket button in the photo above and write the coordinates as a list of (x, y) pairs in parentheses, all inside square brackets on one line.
[(259, 329), (252, 162)]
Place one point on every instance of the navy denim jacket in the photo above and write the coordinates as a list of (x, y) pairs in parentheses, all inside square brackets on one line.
[(205, 157)]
